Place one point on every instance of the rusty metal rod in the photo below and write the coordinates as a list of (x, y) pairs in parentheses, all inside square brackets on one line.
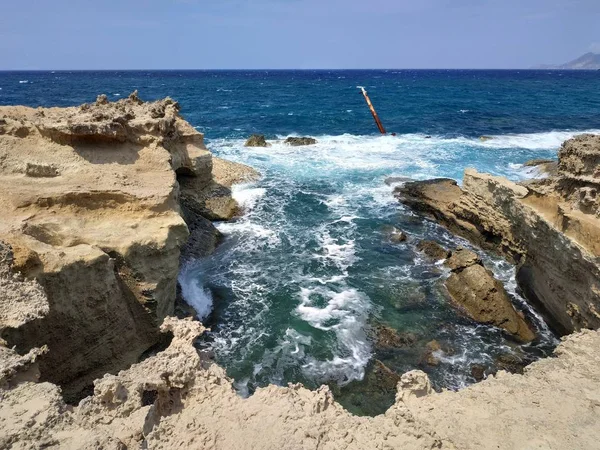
[(375, 116)]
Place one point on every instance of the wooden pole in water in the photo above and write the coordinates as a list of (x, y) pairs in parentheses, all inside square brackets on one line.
[(375, 116)]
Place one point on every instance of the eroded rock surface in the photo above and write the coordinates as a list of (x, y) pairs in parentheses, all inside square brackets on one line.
[(483, 297), (300, 141), (550, 227), (93, 229), (256, 140), (177, 399)]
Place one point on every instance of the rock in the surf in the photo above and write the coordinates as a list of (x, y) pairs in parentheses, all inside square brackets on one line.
[(432, 350), (433, 250), (483, 297), (300, 141), (386, 338), (256, 140), (478, 372), (510, 363), (394, 234), (543, 166)]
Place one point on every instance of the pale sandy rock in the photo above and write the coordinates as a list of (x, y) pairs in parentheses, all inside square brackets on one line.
[(483, 297), (549, 227), (21, 301), (91, 207), (176, 399), (213, 199)]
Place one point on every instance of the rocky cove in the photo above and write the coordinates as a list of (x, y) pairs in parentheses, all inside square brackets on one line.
[(103, 202)]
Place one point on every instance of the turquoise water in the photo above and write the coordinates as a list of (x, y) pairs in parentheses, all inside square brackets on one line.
[(294, 291)]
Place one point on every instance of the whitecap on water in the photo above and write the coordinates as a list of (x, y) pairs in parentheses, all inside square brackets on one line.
[(193, 291), (345, 313), (247, 194)]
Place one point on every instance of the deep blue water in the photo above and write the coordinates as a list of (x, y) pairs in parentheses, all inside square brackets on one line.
[(300, 281), (227, 104)]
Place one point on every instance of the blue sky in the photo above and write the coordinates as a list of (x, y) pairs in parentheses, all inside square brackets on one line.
[(279, 34)]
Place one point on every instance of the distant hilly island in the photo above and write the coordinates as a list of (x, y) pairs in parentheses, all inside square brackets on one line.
[(589, 61)]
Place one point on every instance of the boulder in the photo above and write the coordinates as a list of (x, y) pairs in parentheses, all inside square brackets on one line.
[(511, 363), (299, 141), (433, 250), (430, 348), (478, 372), (256, 140), (394, 234), (386, 338), (482, 296)]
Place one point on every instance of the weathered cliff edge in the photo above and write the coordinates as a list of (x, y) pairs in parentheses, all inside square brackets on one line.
[(178, 399), (90, 204), (549, 227), (90, 272)]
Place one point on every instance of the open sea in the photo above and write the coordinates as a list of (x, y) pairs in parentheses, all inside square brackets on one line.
[(301, 282)]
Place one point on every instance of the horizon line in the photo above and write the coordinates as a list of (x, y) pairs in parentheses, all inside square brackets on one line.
[(292, 69)]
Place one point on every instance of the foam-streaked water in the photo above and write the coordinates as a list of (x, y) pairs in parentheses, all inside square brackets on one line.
[(303, 276), (295, 289)]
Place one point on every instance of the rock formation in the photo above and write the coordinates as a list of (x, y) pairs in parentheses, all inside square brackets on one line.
[(92, 222), (256, 140), (549, 227), (483, 297), (543, 167), (177, 399), (433, 250), (300, 141)]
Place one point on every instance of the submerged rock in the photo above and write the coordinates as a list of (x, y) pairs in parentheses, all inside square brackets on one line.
[(299, 141), (478, 372), (256, 140), (430, 348), (482, 296), (390, 181), (386, 338), (394, 234), (433, 250), (374, 394)]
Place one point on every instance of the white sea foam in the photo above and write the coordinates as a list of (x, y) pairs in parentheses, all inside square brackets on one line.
[(248, 228), (345, 314), (193, 291), (247, 194), (412, 155), (279, 253), (23, 81)]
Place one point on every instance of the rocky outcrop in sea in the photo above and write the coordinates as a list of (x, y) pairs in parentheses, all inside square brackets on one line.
[(549, 227)]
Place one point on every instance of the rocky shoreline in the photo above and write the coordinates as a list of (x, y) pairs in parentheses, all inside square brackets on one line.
[(549, 227), (98, 200), (103, 202)]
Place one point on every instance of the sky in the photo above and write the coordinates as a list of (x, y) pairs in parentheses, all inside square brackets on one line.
[(299, 34)]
